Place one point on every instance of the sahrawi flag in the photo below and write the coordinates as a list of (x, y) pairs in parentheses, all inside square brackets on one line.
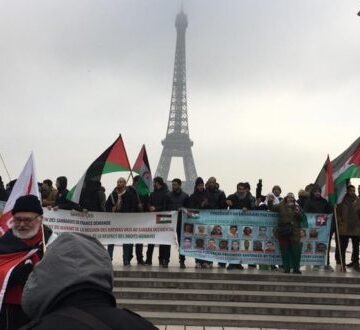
[(344, 167), (142, 168), (113, 159), (26, 184), (329, 189)]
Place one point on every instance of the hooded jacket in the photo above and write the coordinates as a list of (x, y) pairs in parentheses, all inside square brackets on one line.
[(76, 271)]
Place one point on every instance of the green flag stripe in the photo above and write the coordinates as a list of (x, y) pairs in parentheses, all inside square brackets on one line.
[(352, 171), (112, 167)]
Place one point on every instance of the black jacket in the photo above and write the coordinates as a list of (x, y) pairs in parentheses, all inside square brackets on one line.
[(158, 199), (130, 201), (215, 199), (317, 205), (198, 200), (176, 200), (240, 203)]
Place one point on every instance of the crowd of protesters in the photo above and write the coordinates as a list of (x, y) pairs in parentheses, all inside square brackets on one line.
[(21, 307), (208, 195)]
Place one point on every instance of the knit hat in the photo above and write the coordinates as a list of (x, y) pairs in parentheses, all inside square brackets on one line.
[(27, 203), (290, 195), (198, 181)]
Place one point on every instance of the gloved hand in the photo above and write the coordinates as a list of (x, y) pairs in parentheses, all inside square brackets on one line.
[(21, 273)]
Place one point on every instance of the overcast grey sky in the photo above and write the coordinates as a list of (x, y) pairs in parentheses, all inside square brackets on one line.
[(273, 86)]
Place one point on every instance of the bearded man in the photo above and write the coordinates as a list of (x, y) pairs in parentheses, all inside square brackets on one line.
[(24, 241)]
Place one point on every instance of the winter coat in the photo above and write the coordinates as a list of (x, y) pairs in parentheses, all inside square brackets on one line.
[(76, 272), (176, 200), (158, 198), (93, 197), (129, 201), (216, 199), (348, 216), (198, 200), (240, 203), (317, 205), (288, 216), (12, 316)]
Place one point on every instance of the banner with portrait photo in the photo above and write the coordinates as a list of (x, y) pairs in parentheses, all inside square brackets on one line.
[(248, 237), (116, 228)]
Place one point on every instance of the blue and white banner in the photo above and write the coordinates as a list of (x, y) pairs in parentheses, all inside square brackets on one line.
[(248, 237)]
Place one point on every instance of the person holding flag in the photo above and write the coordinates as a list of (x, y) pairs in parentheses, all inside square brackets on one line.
[(21, 247)]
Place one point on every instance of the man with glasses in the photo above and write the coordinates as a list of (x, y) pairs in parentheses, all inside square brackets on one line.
[(27, 234)]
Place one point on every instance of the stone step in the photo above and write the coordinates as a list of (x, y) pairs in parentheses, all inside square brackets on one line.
[(222, 274), (236, 308), (251, 321), (237, 296), (234, 285)]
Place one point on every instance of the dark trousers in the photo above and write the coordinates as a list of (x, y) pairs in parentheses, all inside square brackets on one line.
[(110, 249), (344, 242), (127, 252), (178, 232), (139, 252), (290, 254), (164, 253), (149, 252)]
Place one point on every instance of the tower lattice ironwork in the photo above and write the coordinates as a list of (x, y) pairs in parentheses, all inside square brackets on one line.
[(177, 142)]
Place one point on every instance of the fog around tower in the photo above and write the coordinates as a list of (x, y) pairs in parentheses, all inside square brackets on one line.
[(273, 86)]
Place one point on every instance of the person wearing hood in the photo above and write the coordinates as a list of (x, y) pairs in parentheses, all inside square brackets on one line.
[(276, 190), (315, 203), (93, 197), (82, 299), (349, 227), (288, 232), (157, 203), (268, 203), (303, 197), (175, 200), (27, 234), (61, 202)]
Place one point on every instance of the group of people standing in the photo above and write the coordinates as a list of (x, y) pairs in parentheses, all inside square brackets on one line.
[(208, 195), (28, 233)]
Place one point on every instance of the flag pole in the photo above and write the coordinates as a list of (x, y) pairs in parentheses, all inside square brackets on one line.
[(129, 176), (43, 237), (7, 172), (342, 262)]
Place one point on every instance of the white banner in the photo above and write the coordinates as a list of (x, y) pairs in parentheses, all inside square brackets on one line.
[(116, 228)]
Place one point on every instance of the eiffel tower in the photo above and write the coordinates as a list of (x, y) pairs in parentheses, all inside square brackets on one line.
[(177, 142)]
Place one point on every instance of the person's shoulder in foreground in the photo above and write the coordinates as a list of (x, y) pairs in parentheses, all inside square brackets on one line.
[(71, 288)]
